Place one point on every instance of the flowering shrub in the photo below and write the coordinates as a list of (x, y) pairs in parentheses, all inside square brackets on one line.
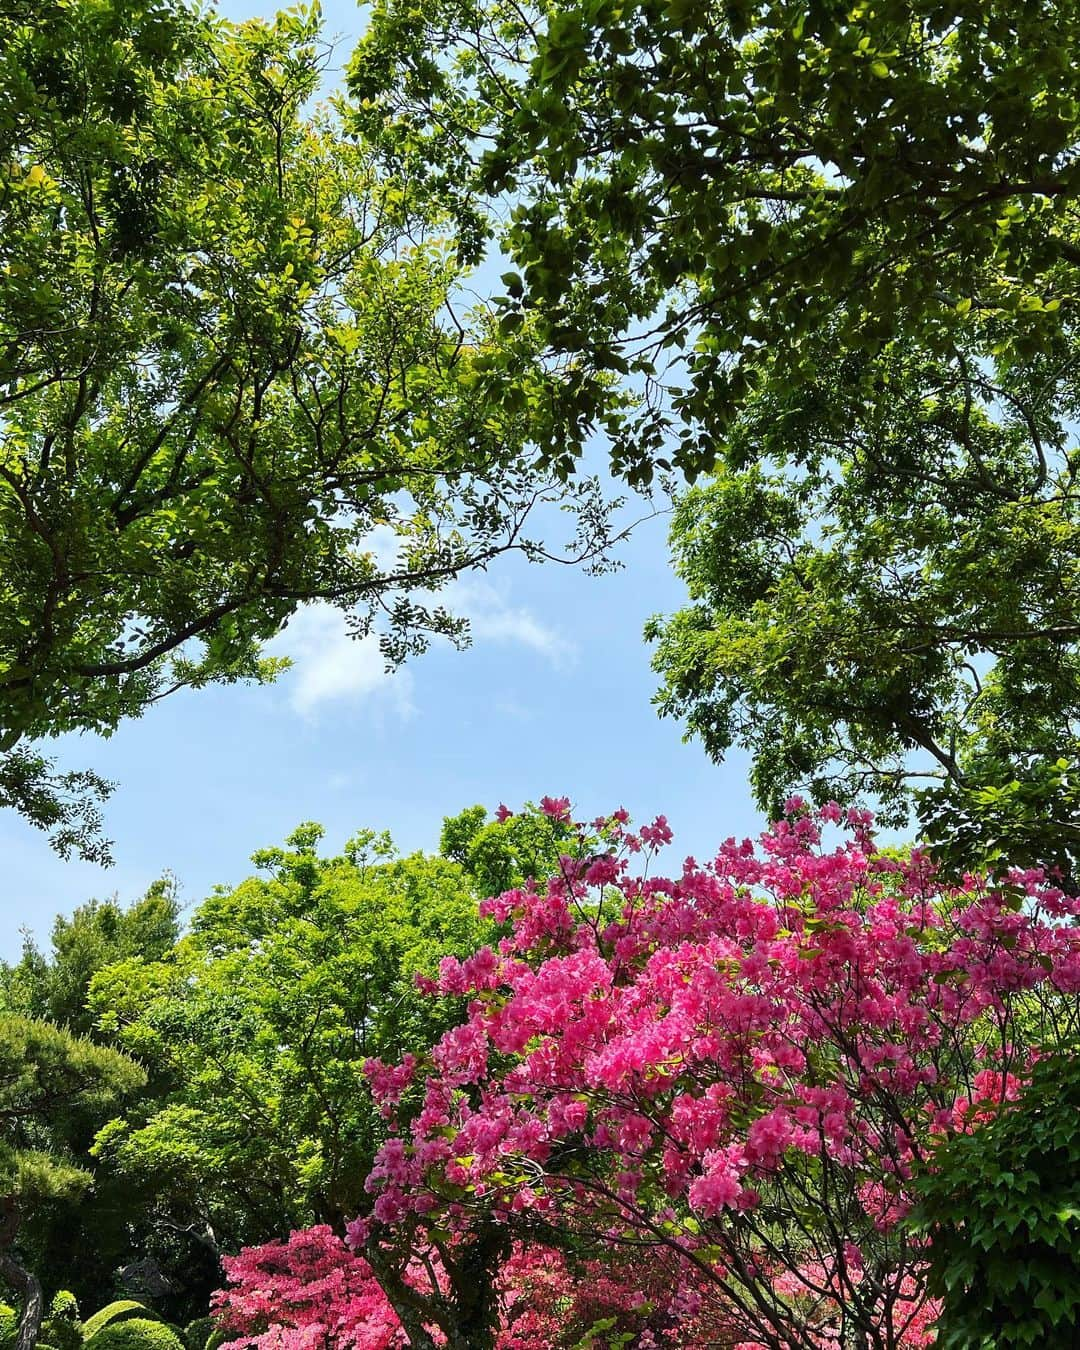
[(310, 1293), (743, 1065), (314, 1293)]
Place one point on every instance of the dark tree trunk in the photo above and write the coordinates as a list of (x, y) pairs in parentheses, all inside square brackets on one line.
[(473, 1272), (468, 1312), (28, 1287), (409, 1306)]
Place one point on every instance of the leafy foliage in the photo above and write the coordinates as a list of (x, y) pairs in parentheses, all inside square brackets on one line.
[(743, 1066), (890, 598), (232, 380), (54, 986), (256, 1025), (1001, 1209), (741, 177), (119, 1311), (52, 1087), (836, 248), (82, 1248), (50, 1083), (135, 1333), (510, 849)]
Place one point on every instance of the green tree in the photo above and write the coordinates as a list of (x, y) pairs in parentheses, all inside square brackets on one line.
[(1001, 1210), (54, 987), (897, 612), (82, 1248), (836, 248), (233, 378), (257, 1025), (509, 850), (52, 1084)]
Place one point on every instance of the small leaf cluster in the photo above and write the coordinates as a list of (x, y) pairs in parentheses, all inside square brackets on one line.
[(1001, 1209)]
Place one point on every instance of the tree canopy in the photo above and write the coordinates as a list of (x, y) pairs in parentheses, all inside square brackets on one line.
[(236, 374), (54, 985), (835, 248), (52, 1085), (256, 1025)]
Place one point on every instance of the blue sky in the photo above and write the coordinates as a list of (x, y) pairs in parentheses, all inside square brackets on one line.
[(553, 697)]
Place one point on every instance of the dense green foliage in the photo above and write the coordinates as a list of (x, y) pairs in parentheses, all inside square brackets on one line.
[(51, 1084), (741, 178), (135, 1333), (61, 1329), (82, 1246), (503, 852), (54, 1089), (123, 1325), (1002, 1210), (837, 246), (232, 379), (255, 1027), (119, 1311), (9, 1325), (889, 611), (55, 986)]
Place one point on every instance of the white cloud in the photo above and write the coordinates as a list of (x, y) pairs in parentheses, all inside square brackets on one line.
[(329, 665), (493, 619)]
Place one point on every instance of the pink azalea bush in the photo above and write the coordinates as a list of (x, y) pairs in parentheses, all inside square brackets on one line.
[(309, 1293), (743, 1065), (314, 1293)]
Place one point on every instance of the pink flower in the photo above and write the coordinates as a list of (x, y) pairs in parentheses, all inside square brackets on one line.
[(556, 807), (653, 1054)]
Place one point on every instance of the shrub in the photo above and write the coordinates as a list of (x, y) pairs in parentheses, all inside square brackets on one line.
[(136, 1333), (115, 1312), (1002, 1211), (745, 1063), (61, 1329), (9, 1325), (198, 1334)]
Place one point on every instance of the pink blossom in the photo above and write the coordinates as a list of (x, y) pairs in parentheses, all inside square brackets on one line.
[(788, 1016)]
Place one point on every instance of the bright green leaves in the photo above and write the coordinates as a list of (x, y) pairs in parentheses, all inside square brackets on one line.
[(231, 347), (1001, 1208), (257, 1024), (896, 603)]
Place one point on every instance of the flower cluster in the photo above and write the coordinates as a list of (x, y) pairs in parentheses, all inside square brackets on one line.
[(744, 1062), (313, 1293), (310, 1293)]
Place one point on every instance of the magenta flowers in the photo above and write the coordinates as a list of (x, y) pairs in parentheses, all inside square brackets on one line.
[(743, 1064)]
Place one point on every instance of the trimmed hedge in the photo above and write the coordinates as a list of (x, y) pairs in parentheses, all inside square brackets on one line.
[(116, 1312), (136, 1333)]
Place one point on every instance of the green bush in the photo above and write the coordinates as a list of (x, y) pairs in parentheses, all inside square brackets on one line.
[(116, 1312), (61, 1334), (9, 1325), (60, 1329), (197, 1334), (1002, 1211), (64, 1305), (136, 1333)]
